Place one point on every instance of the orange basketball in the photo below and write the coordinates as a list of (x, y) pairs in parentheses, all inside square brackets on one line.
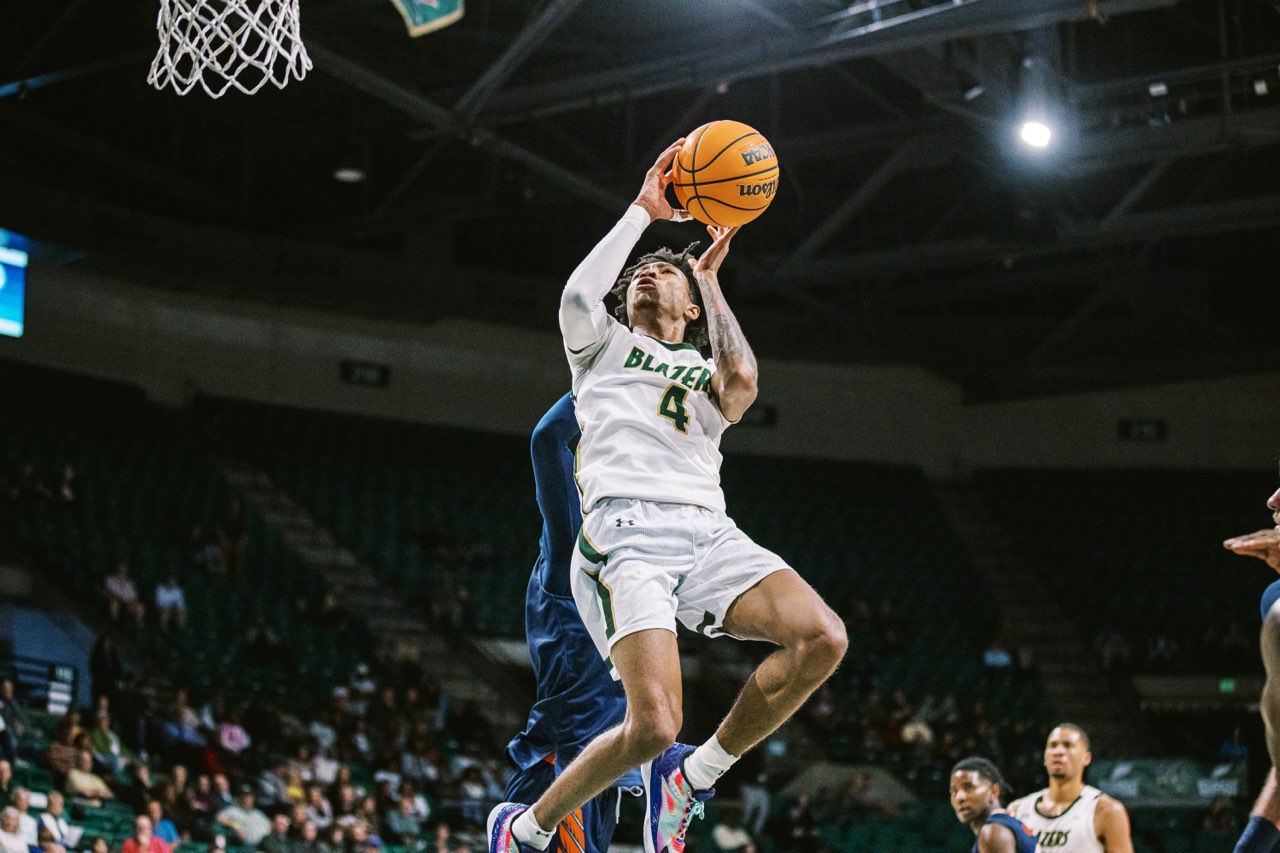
[(725, 173)]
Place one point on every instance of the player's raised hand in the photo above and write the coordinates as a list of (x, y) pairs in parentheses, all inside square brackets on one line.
[(653, 193), (709, 263), (1264, 544)]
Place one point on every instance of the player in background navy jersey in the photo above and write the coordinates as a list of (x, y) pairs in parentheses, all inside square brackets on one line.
[(577, 699), (978, 792), (1263, 830)]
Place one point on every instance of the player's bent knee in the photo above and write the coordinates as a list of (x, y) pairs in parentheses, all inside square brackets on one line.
[(824, 645), (646, 738), (650, 728)]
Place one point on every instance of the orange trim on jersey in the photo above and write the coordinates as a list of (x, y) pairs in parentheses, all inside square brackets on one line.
[(572, 836)]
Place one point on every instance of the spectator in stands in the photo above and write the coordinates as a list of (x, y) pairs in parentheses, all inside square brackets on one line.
[(6, 783), (144, 840), (203, 551), (1114, 650), (54, 821), (996, 660), (1024, 663), (27, 824), (105, 668), (68, 491), (161, 826), (421, 807), (755, 803), (83, 782), (171, 603), (319, 809), (45, 842), (1162, 650), (729, 836), (248, 823), (233, 537), (11, 840), (402, 824), (261, 643), (14, 722), (278, 840), (1234, 748), (108, 750), (27, 487), (122, 595), (1222, 816), (800, 829)]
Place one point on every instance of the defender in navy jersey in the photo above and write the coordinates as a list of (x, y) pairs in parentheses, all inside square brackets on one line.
[(978, 792), (1262, 834), (576, 697)]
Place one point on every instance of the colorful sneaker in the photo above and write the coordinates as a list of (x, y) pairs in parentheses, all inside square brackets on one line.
[(500, 838), (673, 803)]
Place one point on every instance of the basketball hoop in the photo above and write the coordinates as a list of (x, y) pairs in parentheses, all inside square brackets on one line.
[(218, 44)]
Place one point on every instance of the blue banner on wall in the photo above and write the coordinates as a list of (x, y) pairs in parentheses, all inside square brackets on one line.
[(424, 16), (13, 286)]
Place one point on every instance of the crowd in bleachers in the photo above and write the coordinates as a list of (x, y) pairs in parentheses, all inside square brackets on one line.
[(378, 766)]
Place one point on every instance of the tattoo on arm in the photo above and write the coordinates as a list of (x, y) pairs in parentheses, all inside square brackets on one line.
[(729, 347)]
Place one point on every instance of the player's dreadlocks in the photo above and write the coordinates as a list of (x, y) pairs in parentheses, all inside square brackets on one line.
[(987, 770), (696, 332)]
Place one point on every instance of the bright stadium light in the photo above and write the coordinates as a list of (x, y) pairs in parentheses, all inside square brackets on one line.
[(1037, 134)]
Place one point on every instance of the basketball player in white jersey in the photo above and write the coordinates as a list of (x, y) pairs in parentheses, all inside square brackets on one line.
[(656, 546), (1070, 816)]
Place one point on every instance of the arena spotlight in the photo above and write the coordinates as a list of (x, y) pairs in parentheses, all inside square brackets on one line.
[(348, 175), (1036, 133)]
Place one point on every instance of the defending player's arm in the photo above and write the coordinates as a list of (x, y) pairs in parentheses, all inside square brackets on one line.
[(583, 319), (734, 383), (994, 838), (1111, 822), (557, 494)]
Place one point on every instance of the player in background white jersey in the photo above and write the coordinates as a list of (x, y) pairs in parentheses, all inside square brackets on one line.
[(656, 547), (1070, 816)]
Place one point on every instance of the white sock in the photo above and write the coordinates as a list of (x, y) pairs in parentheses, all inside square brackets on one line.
[(526, 830), (706, 764)]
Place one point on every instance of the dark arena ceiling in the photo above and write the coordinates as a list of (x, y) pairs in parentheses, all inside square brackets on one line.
[(911, 225)]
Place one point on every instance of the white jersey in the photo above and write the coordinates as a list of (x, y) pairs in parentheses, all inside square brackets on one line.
[(1073, 831), (650, 428)]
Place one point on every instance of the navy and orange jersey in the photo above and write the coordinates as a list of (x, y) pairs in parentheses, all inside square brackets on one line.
[(1022, 834), (576, 698)]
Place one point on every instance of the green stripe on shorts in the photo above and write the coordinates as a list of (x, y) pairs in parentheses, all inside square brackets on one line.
[(591, 552), (606, 601)]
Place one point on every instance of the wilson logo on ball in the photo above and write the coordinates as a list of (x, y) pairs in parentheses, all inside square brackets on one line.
[(756, 154), (766, 189)]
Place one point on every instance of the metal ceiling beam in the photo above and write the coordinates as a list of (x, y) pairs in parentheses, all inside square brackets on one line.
[(1212, 218), (804, 49), (25, 121), (17, 88), (546, 22), (1140, 188), (422, 108), (860, 197)]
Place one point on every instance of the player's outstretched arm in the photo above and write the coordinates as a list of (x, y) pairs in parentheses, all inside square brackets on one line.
[(557, 493), (994, 838), (736, 370), (583, 320), (1111, 821)]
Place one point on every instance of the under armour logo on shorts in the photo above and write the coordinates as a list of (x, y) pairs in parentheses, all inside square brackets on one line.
[(621, 521)]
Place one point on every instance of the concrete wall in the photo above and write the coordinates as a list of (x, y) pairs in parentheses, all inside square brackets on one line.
[(501, 379)]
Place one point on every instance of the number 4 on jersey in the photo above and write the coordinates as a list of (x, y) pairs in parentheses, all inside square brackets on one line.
[(672, 407)]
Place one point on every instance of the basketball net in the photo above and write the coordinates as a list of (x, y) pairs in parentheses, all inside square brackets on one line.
[(220, 44)]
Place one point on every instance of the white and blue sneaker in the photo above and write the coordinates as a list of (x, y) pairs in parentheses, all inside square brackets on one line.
[(499, 826), (672, 801)]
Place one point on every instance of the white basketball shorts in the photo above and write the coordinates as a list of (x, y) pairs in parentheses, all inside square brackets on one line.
[(645, 564)]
